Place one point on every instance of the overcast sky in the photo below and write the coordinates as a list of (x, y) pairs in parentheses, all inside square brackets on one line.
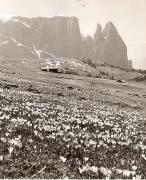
[(129, 16)]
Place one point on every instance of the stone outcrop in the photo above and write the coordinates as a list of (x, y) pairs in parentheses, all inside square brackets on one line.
[(39, 37), (108, 47), (98, 43), (114, 48)]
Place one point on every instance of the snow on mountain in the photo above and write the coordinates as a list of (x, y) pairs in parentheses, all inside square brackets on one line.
[(5, 17), (37, 51), (26, 25), (19, 44)]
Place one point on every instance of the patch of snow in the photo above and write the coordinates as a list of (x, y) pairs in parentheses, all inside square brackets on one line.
[(17, 42), (26, 25), (5, 17), (5, 42), (15, 20), (57, 63), (14, 40), (50, 63), (37, 51), (75, 63), (53, 62)]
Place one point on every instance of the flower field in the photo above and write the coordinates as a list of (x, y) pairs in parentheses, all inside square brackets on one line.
[(71, 134)]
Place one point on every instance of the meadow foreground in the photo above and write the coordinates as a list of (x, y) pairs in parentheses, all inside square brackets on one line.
[(95, 130)]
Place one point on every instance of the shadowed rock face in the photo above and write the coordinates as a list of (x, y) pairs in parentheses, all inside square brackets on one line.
[(22, 37), (98, 43), (108, 47), (114, 48)]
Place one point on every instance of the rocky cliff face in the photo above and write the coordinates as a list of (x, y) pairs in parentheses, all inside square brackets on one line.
[(57, 35), (114, 48), (22, 37), (108, 47), (98, 43)]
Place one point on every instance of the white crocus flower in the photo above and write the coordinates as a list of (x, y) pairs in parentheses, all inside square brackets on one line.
[(63, 159), (138, 177), (94, 169), (1, 157), (106, 172), (11, 149), (119, 171), (134, 168), (126, 173), (86, 159)]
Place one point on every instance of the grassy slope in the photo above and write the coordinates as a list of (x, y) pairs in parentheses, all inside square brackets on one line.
[(62, 131)]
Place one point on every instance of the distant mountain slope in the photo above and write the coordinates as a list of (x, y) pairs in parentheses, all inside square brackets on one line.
[(22, 37)]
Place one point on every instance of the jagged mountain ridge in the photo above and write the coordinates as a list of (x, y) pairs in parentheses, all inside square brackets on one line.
[(107, 46), (24, 37)]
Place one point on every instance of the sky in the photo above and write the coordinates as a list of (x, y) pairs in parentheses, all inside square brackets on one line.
[(129, 16)]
